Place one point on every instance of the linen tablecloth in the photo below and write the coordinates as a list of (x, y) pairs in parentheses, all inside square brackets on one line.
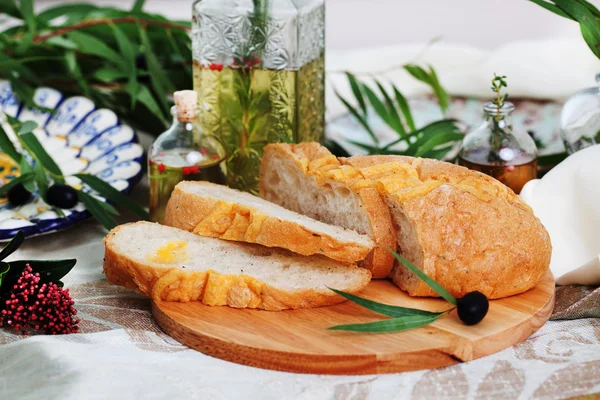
[(121, 353)]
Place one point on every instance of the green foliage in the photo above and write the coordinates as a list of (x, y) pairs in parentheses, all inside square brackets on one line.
[(581, 11), (434, 140), (125, 60)]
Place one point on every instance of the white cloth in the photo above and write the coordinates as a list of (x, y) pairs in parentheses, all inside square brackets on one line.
[(567, 201)]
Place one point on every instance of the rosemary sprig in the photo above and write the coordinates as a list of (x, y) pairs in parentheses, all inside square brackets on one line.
[(498, 82)]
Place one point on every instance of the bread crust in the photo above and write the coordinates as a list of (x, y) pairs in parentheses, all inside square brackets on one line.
[(316, 161), (208, 216), (473, 232), (212, 288)]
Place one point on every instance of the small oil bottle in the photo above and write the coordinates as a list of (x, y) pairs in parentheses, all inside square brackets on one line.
[(182, 153)]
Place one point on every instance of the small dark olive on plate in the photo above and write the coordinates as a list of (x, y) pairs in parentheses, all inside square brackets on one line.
[(62, 196), (18, 195), (472, 307)]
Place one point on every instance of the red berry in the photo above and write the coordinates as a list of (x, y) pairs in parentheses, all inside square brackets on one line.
[(186, 170), (203, 151), (194, 169), (161, 168)]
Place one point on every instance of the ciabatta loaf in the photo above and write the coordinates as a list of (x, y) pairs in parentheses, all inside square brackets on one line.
[(465, 229), (170, 264), (308, 179), (218, 211)]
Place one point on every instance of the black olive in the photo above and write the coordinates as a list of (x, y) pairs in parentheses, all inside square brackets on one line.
[(62, 196), (472, 307), (18, 195)]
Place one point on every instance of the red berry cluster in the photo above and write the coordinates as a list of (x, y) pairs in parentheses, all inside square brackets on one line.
[(46, 309), (247, 63), (190, 170), (216, 67)]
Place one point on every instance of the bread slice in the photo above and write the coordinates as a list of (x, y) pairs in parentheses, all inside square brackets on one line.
[(169, 264), (308, 179), (218, 211), (465, 229)]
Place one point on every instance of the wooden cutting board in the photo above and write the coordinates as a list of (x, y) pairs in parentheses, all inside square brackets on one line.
[(297, 340)]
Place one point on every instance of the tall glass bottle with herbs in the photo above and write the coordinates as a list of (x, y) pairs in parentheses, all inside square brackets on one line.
[(496, 148), (181, 153), (259, 75)]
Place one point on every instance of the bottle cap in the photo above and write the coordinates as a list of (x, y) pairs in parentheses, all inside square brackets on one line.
[(187, 105)]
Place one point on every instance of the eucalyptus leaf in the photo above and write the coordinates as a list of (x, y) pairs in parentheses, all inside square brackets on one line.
[(356, 90), (97, 210), (21, 179), (88, 44), (109, 192), (361, 119), (404, 108), (32, 144), (436, 287), (8, 147), (383, 309), (13, 245), (390, 325), (4, 268)]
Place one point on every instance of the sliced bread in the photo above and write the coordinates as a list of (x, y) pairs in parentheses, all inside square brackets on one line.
[(218, 211), (465, 229), (170, 264), (308, 179)]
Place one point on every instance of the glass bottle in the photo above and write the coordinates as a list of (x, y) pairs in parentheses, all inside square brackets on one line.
[(498, 150), (181, 153), (259, 75), (580, 119)]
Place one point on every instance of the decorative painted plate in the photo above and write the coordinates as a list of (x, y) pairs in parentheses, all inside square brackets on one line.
[(80, 138), (539, 118)]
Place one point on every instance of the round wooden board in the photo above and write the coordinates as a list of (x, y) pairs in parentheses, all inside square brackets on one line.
[(298, 341)]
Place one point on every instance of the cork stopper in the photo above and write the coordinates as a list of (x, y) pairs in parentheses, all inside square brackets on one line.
[(187, 105)]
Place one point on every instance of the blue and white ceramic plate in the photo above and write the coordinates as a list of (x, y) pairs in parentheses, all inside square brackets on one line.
[(80, 138)]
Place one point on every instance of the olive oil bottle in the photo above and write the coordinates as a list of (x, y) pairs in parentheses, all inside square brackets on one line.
[(183, 152)]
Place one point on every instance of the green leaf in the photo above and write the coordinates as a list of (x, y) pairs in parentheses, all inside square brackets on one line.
[(26, 127), (377, 105), (73, 67), (390, 325), (8, 147), (97, 210), (128, 52), (436, 287), (28, 15), (4, 268), (88, 44), (359, 117), (138, 6), (336, 149), (355, 86), (39, 153), (551, 7), (41, 179), (109, 74), (62, 42), (11, 63), (405, 109), (430, 78), (21, 179), (145, 97), (112, 194), (26, 168), (438, 140), (380, 308), (159, 80), (588, 22), (10, 7), (594, 10), (63, 10), (13, 245), (395, 121), (49, 270)]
